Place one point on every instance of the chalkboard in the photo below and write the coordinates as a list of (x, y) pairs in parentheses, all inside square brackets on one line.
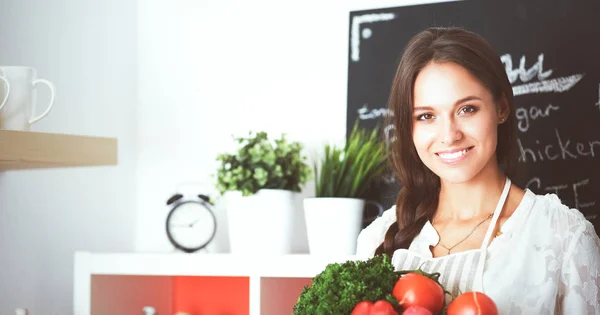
[(551, 51)]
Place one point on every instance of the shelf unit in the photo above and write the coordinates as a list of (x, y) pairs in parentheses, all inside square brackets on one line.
[(273, 282), (33, 150)]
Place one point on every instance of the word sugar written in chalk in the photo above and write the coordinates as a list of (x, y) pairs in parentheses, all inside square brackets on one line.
[(563, 149), (524, 116)]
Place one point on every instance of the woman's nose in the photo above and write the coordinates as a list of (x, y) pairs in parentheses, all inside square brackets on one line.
[(450, 132)]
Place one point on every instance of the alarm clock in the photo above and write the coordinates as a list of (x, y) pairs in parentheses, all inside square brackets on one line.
[(191, 223)]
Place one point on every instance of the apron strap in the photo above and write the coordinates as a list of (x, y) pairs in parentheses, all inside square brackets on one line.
[(478, 284)]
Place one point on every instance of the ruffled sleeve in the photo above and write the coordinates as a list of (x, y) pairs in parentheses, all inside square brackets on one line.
[(580, 280), (372, 236)]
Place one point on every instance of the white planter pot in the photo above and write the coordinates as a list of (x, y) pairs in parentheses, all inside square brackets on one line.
[(333, 224), (261, 223)]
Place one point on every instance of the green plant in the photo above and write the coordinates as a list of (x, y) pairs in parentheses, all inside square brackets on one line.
[(338, 288), (262, 164), (342, 286), (347, 171)]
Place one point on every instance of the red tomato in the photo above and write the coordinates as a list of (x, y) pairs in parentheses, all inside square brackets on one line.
[(416, 310), (413, 289), (362, 308), (381, 307), (472, 303)]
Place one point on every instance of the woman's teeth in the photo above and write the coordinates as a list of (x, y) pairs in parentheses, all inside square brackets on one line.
[(453, 155)]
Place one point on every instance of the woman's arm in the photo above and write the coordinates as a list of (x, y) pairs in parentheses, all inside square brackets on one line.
[(372, 236), (579, 291)]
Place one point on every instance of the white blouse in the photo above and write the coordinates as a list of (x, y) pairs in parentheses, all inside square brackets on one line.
[(546, 261)]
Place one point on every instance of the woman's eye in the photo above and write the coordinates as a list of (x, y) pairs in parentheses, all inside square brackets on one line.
[(425, 117), (468, 109)]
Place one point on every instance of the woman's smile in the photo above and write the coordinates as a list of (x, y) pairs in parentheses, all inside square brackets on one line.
[(454, 156)]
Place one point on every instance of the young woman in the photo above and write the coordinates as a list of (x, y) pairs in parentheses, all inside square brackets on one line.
[(458, 212)]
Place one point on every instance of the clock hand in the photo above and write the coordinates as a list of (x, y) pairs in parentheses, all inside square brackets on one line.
[(181, 225), (188, 225)]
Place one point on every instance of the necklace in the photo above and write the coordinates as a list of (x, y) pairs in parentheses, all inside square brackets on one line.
[(466, 237)]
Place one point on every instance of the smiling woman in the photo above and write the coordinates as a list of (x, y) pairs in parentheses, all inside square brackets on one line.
[(458, 212)]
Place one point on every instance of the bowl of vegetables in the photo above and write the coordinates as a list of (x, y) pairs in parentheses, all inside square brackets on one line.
[(373, 287)]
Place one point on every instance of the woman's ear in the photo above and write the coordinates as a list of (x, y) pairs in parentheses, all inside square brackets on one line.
[(503, 110)]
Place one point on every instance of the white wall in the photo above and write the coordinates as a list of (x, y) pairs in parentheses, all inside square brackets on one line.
[(202, 70), (89, 50), (212, 68)]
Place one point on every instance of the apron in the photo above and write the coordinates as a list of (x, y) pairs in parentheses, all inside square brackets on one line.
[(460, 272)]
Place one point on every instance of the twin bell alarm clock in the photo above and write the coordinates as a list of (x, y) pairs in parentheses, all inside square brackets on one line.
[(191, 223)]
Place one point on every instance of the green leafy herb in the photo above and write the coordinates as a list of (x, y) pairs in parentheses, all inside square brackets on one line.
[(262, 164), (349, 170), (341, 286)]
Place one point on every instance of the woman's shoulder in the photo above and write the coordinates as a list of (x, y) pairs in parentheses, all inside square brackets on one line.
[(373, 234), (574, 234), (558, 217), (551, 207)]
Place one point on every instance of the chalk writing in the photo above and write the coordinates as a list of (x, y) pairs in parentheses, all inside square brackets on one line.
[(554, 85), (524, 115), (598, 102), (525, 75), (364, 113), (388, 178), (366, 33), (558, 188), (544, 85), (388, 131), (562, 149), (355, 30)]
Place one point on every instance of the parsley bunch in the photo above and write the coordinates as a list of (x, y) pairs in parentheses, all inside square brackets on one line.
[(341, 286)]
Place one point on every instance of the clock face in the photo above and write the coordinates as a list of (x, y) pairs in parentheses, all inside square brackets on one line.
[(191, 225)]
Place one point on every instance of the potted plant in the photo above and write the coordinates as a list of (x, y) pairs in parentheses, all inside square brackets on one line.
[(258, 183), (342, 178)]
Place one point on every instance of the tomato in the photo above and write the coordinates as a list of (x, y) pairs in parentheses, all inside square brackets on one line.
[(362, 308), (416, 310), (472, 303), (413, 289), (381, 307)]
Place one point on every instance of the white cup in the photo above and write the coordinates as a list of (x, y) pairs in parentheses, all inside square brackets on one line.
[(19, 108), (5, 92)]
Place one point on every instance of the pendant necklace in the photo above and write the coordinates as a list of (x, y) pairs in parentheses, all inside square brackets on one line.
[(466, 237)]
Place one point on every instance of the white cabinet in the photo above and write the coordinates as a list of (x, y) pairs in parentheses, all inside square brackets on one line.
[(122, 283)]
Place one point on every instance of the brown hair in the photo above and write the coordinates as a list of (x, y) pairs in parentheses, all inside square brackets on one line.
[(419, 194)]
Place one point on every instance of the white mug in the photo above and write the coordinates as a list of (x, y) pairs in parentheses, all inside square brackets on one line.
[(5, 91), (19, 110)]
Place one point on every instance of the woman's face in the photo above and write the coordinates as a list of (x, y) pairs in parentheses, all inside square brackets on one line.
[(455, 122)]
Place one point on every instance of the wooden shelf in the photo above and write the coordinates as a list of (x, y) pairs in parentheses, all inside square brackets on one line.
[(31, 150)]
